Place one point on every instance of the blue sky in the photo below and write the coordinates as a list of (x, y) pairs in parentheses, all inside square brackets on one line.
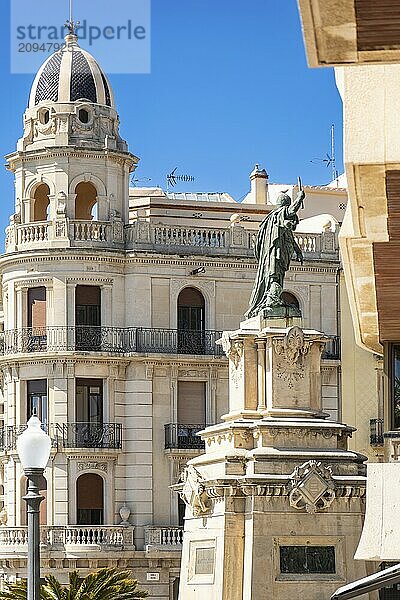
[(229, 86)]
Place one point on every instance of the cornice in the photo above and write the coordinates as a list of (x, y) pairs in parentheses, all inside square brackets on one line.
[(120, 257), (118, 360), (62, 358), (26, 283), (39, 154)]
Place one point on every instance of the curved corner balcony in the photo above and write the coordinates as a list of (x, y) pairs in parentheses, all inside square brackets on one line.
[(117, 340), (106, 436), (64, 233), (144, 236)]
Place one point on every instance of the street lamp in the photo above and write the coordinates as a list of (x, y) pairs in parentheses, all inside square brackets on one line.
[(33, 447)]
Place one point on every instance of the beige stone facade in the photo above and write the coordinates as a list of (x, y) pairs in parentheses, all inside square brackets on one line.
[(113, 299), (277, 483)]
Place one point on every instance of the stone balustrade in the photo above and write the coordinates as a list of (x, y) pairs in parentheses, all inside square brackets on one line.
[(145, 236), (64, 233), (91, 231), (87, 537), (163, 538)]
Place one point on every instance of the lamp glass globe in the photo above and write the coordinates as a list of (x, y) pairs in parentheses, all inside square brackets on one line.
[(34, 446)]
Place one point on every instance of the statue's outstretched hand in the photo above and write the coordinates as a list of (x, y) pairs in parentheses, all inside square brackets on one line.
[(299, 257), (301, 195)]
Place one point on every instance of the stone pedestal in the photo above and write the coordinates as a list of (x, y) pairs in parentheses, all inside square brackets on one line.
[(275, 505)]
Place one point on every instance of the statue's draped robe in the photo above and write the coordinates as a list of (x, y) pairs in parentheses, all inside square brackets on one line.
[(273, 250)]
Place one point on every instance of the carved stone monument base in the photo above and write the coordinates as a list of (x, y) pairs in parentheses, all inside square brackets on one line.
[(275, 505)]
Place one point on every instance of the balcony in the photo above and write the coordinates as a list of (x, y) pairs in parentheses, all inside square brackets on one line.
[(64, 232), (117, 340), (183, 437), (73, 537), (146, 236), (163, 538), (91, 435), (376, 432), (9, 434), (69, 435), (229, 241)]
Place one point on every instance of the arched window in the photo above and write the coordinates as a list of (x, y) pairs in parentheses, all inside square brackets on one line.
[(90, 499), (191, 310), (85, 201), (191, 322), (290, 299), (41, 203), (43, 505)]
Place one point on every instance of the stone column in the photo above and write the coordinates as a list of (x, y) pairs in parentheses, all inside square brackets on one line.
[(261, 343)]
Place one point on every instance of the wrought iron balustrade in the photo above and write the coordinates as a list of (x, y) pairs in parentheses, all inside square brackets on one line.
[(376, 432), (332, 348), (178, 341), (92, 435), (183, 437), (120, 340), (9, 434)]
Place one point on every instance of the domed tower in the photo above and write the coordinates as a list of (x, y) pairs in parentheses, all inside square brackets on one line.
[(64, 313), (71, 163)]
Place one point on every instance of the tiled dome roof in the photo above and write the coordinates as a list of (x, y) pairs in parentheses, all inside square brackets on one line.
[(71, 74)]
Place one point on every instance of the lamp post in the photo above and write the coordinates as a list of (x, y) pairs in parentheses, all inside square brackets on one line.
[(33, 447)]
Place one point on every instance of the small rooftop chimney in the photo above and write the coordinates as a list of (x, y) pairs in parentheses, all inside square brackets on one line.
[(259, 187)]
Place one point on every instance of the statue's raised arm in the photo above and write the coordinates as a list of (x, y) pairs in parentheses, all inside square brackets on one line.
[(274, 249), (297, 203)]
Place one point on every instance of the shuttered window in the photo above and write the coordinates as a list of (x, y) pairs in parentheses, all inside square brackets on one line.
[(192, 402)]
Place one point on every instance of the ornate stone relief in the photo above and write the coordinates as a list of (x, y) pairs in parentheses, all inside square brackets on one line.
[(234, 351), (204, 286), (292, 349), (312, 487), (92, 465), (232, 348), (193, 492)]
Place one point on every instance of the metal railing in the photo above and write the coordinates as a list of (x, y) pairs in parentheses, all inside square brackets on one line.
[(332, 348), (9, 434), (91, 435), (109, 339), (183, 437), (376, 432), (69, 435)]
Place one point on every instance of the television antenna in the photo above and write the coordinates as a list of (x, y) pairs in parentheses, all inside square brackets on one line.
[(136, 180), (330, 160), (173, 178)]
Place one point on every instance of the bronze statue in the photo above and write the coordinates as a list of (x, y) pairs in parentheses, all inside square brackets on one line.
[(274, 248)]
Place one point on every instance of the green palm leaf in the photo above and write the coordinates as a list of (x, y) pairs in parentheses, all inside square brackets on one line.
[(105, 584)]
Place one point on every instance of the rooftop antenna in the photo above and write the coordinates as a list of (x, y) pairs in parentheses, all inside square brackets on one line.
[(173, 178), (136, 180), (71, 25), (330, 160)]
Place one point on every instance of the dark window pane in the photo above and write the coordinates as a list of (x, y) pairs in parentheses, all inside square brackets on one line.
[(37, 399), (307, 559), (89, 401)]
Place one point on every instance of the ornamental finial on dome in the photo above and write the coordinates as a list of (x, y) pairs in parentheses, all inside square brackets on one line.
[(70, 24)]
